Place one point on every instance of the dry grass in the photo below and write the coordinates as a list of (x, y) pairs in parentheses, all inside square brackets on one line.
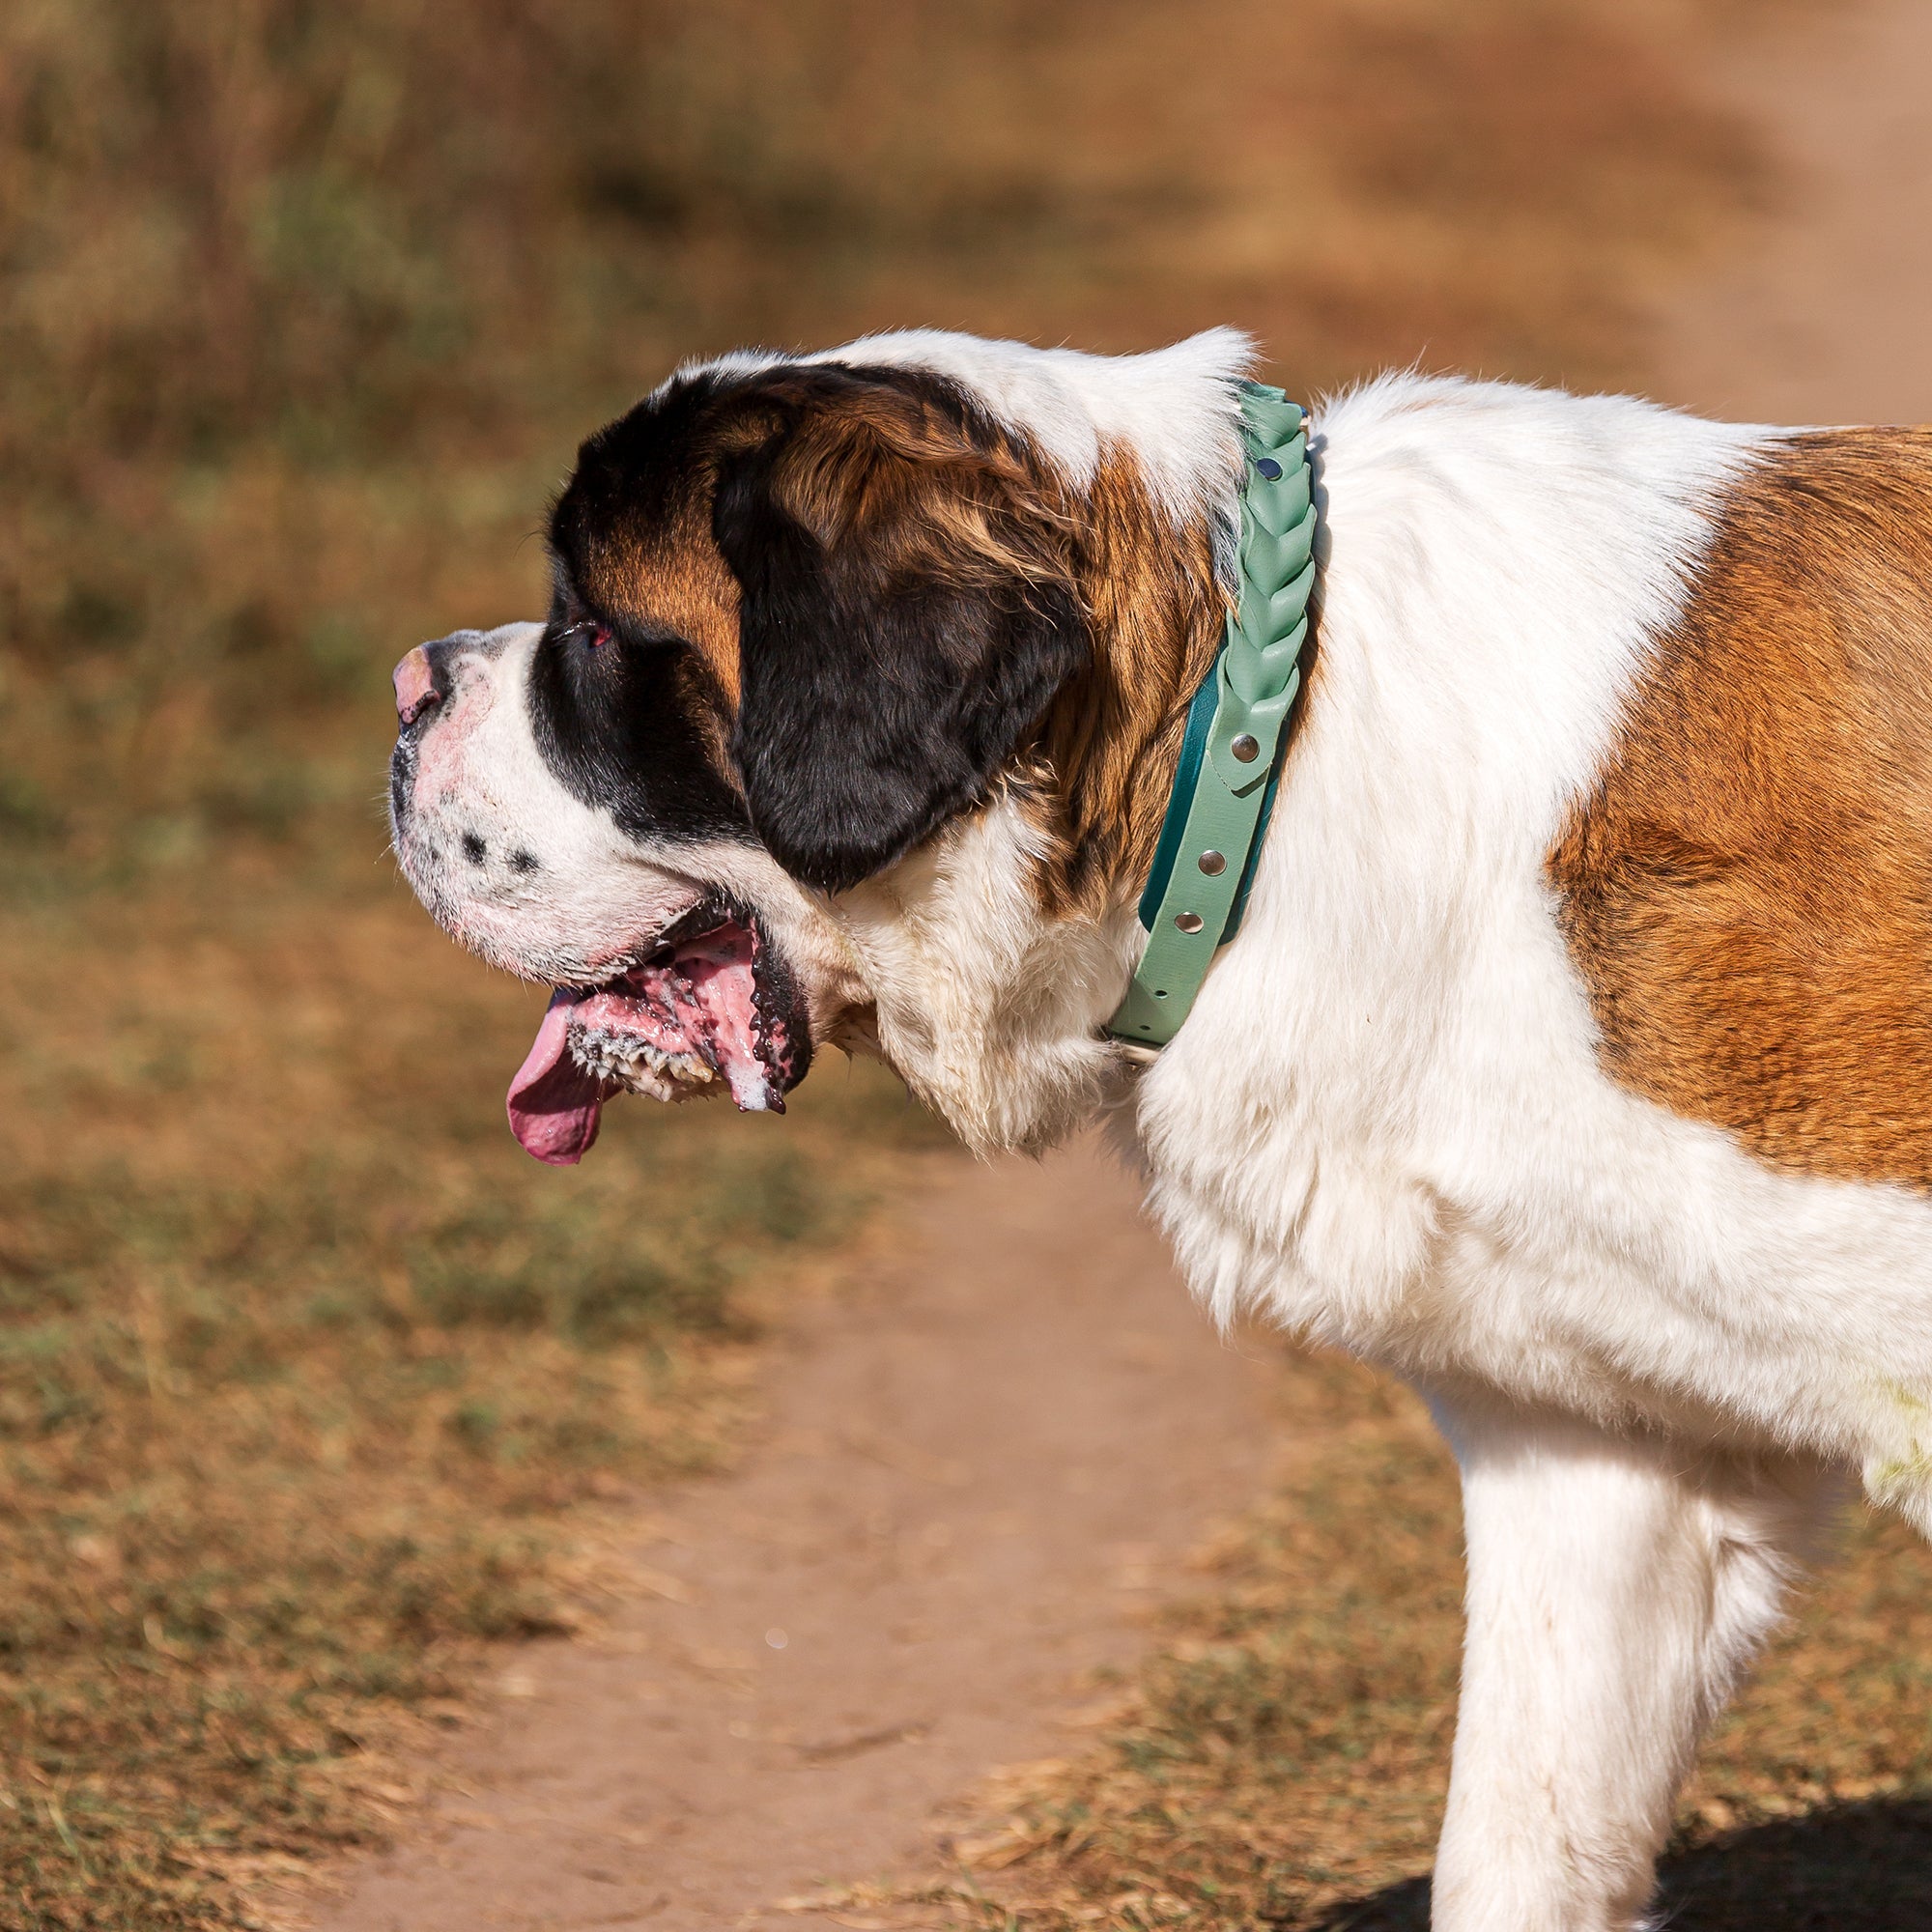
[(307, 1379), (1280, 1765)]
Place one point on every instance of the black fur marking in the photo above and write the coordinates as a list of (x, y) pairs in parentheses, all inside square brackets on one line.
[(402, 780), (524, 862), (876, 703), (623, 726), (475, 849), (632, 725), (882, 691)]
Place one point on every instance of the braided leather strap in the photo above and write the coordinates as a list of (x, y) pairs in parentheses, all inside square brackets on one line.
[(1230, 758)]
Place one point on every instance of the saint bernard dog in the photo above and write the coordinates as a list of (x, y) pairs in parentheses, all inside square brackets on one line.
[(1573, 1060)]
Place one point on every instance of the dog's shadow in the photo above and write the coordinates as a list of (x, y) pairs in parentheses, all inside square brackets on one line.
[(1849, 1869)]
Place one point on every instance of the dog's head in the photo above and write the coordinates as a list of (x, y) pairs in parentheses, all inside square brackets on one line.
[(851, 720)]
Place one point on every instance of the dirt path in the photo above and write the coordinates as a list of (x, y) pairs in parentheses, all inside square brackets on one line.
[(980, 1472), (1826, 315)]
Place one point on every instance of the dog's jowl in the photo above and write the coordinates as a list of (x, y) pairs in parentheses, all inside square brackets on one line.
[(1571, 1059)]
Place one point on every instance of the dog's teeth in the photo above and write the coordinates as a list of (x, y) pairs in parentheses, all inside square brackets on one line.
[(641, 1065)]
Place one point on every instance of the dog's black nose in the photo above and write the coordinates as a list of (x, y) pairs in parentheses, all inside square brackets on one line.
[(421, 682)]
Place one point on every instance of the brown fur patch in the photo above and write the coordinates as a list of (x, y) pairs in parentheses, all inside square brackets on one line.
[(672, 580), (1747, 892), (934, 496), (930, 495), (1113, 738)]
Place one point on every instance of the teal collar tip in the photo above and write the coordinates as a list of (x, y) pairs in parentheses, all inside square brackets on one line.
[(1230, 764)]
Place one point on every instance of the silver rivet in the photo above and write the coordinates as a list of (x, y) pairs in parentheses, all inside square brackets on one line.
[(1245, 747), (1212, 864), (1189, 922)]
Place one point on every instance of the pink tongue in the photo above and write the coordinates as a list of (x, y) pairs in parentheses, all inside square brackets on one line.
[(554, 1106), (701, 999)]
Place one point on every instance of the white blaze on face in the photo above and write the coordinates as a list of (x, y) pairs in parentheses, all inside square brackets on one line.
[(510, 862)]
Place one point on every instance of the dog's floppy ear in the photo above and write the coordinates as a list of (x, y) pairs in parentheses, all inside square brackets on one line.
[(907, 613)]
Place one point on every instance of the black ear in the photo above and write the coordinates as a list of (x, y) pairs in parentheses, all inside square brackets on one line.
[(907, 613)]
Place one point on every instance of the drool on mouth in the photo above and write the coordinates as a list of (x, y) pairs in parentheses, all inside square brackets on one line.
[(711, 1006)]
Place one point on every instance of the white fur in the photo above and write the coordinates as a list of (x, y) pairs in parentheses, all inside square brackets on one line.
[(479, 777), (1617, 1589), (985, 1008)]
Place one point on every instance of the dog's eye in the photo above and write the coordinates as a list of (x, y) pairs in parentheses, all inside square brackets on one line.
[(593, 634)]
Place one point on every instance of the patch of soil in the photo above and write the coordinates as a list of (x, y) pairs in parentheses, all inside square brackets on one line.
[(981, 1471)]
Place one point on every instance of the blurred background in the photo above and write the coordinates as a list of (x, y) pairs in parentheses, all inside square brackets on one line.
[(309, 1382)]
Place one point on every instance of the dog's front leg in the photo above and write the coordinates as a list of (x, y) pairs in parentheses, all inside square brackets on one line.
[(1616, 1589)]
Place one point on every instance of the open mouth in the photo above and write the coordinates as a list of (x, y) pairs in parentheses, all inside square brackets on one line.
[(712, 1008)]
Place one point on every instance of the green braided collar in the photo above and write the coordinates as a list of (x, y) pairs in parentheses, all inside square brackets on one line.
[(1231, 757)]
